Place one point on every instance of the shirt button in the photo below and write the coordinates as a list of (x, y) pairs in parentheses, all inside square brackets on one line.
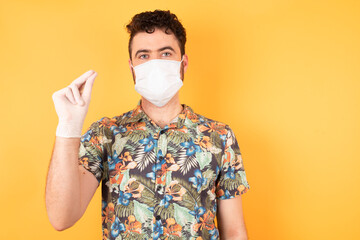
[(158, 217)]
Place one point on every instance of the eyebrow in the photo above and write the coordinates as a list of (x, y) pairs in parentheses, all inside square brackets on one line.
[(159, 50), (166, 48)]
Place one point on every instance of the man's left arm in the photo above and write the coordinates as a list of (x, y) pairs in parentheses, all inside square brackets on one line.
[(231, 184), (230, 219)]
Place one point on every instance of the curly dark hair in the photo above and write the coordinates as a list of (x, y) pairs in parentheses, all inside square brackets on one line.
[(148, 21)]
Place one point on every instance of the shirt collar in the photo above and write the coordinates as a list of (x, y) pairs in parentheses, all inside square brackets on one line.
[(187, 114)]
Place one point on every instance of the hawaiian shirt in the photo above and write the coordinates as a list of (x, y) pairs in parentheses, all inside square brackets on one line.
[(162, 183)]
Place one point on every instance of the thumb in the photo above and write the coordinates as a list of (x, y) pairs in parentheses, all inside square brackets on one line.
[(88, 87)]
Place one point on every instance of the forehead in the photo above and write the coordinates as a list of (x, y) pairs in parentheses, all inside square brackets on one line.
[(154, 41)]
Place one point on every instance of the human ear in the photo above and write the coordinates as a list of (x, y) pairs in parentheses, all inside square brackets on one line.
[(185, 62)]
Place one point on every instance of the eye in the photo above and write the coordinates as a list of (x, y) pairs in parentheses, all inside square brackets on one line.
[(143, 56), (166, 54)]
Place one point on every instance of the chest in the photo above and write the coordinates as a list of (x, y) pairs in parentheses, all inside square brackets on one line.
[(160, 160)]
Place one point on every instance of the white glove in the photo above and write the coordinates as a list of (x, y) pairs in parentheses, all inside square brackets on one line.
[(71, 105)]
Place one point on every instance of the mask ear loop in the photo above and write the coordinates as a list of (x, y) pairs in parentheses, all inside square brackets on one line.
[(182, 58)]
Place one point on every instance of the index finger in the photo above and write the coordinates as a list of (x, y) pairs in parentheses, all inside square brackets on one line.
[(88, 86), (80, 80)]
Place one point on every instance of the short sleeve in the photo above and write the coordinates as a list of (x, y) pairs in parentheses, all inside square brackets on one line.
[(91, 151), (231, 181)]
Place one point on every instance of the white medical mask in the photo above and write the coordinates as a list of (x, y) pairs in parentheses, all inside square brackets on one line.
[(158, 80)]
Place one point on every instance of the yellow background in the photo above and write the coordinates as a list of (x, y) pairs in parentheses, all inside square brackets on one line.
[(284, 74)]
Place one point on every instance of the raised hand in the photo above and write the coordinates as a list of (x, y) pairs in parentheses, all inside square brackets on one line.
[(72, 103)]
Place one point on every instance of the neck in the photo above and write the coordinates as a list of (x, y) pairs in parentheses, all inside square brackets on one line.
[(162, 115)]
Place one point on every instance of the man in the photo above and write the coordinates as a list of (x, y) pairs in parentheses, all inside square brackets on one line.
[(166, 171)]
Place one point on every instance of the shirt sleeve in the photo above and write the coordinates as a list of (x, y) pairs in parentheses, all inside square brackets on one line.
[(91, 151), (232, 180)]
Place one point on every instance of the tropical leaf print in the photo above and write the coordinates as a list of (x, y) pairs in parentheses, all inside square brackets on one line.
[(219, 158), (137, 135), (147, 195), (168, 178), (82, 150), (133, 236), (243, 178), (177, 137), (174, 148), (162, 144), (106, 171), (209, 176), (216, 140), (205, 233), (124, 179), (145, 181), (131, 147), (215, 150), (209, 200), (190, 124), (122, 119), (164, 212), (143, 159), (124, 211), (203, 158), (191, 196), (141, 211), (119, 143), (187, 162), (173, 237), (182, 215), (108, 134), (187, 232), (91, 149), (230, 184)]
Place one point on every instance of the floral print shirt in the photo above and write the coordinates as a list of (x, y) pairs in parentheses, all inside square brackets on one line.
[(162, 183)]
